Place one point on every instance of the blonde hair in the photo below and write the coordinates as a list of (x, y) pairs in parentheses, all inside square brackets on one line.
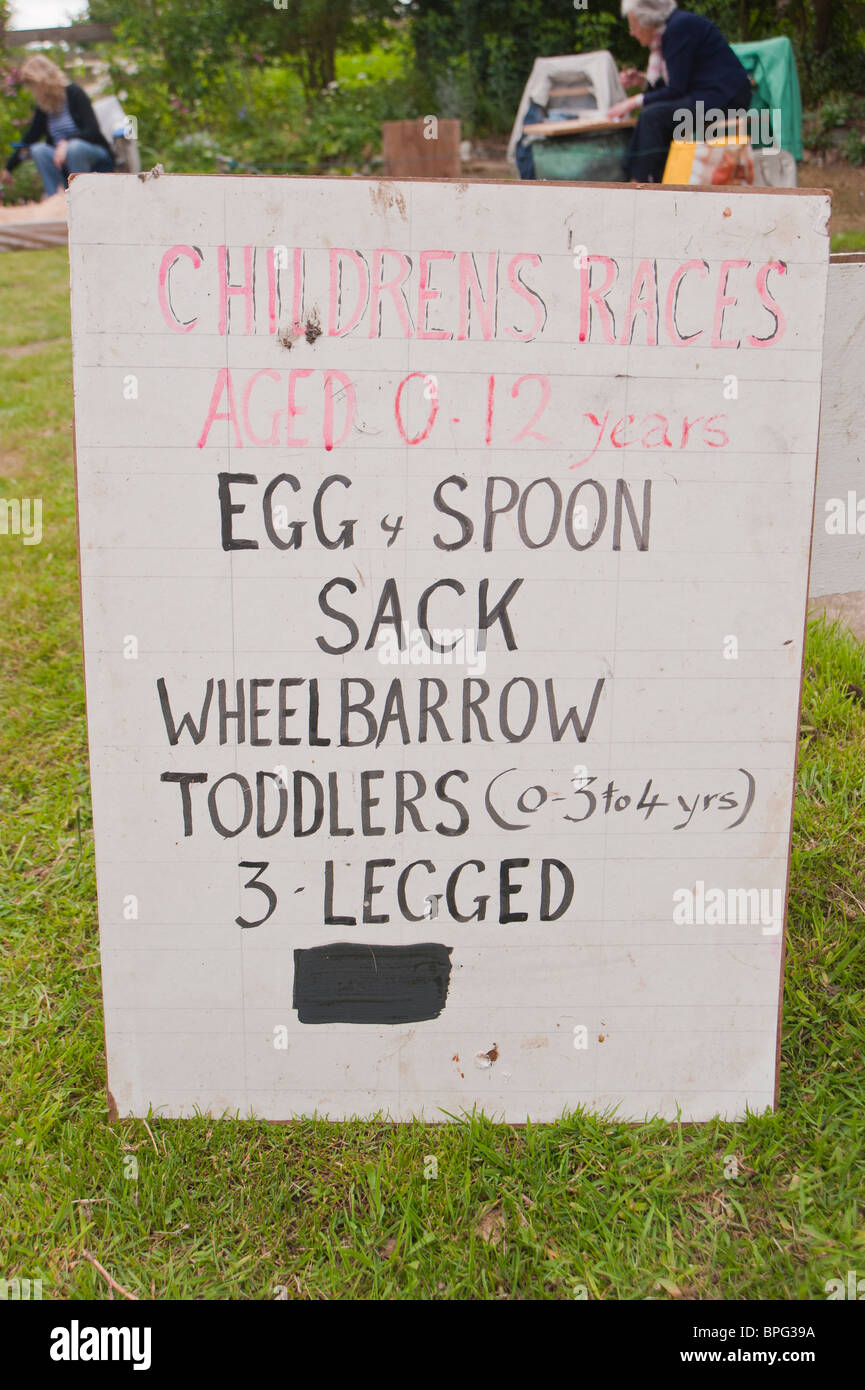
[(46, 81)]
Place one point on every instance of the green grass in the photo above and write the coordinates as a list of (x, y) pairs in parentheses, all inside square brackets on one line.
[(224, 1209), (848, 241)]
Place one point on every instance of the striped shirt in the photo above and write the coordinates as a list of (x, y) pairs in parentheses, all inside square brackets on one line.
[(61, 125)]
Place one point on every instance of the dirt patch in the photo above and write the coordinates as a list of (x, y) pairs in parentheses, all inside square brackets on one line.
[(847, 186), (849, 608), (51, 209), (491, 1226), (12, 465), (25, 349)]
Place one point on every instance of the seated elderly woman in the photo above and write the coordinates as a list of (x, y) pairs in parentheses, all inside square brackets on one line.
[(690, 61)]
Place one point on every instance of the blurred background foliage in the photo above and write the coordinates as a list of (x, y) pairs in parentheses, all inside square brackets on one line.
[(303, 85)]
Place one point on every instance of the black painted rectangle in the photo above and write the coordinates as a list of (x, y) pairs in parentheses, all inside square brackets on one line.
[(347, 982)]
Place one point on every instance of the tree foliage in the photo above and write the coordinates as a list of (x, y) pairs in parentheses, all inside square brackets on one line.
[(493, 43), (827, 36), (312, 30), (475, 55), (194, 41), (469, 58)]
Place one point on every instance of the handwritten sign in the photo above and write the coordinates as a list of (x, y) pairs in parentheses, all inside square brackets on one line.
[(444, 559)]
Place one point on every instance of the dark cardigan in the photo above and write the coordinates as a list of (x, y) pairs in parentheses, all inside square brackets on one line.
[(701, 65), (82, 114)]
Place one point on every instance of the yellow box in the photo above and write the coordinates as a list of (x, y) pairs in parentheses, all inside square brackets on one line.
[(702, 162)]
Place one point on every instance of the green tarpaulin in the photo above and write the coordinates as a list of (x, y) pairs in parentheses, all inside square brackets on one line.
[(772, 66)]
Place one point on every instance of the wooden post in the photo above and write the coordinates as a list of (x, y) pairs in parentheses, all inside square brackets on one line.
[(74, 33), (425, 148)]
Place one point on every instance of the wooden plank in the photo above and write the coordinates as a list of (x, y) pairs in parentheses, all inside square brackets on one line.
[(68, 33), (576, 127), (320, 328), (582, 91), (32, 236)]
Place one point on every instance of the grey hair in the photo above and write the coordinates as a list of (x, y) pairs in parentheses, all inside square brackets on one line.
[(650, 13)]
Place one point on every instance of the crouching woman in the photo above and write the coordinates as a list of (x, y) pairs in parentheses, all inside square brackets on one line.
[(65, 121)]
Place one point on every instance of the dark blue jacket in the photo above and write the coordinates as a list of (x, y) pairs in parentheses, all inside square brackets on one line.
[(701, 65)]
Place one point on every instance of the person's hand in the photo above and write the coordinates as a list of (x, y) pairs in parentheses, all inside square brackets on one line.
[(623, 108), (632, 77), (5, 177), (60, 153)]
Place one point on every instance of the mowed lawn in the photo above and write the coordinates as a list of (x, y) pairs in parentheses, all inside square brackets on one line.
[(769, 1208)]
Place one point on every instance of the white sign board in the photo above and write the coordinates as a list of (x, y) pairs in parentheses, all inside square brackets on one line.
[(838, 553), (444, 560)]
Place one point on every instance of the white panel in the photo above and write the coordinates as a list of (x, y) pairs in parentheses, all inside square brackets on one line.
[(838, 555), (658, 816)]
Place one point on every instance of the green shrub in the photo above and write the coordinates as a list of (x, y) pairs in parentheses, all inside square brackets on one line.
[(854, 148), (835, 112), (818, 141), (27, 187), (15, 112), (255, 117)]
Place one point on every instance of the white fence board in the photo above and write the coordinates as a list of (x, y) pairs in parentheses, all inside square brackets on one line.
[(838, 552)]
